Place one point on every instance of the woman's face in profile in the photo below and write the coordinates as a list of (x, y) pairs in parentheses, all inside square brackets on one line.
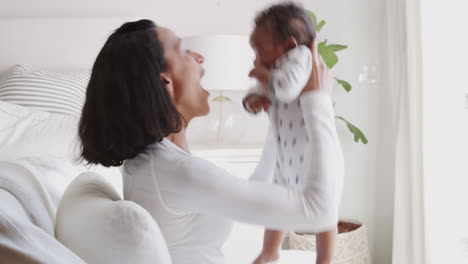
[(183, 76)]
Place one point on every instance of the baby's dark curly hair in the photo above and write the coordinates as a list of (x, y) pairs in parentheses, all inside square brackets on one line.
[(287, 19)]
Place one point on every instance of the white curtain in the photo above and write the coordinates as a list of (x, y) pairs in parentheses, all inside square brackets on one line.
[(409, 233), (430, 52)]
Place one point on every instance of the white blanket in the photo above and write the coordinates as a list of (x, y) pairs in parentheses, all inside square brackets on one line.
[(27, 212), (233, 256), (20, 180), (23, 242)]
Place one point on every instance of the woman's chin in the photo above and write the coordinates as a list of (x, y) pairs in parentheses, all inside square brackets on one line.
[(207, 111), (203, 113), (207, 106)]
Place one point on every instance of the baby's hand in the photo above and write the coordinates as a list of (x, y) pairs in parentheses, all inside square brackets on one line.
[(261, 73), (256, 103)]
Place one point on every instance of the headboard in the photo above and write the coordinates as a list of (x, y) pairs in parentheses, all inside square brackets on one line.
[(59, 44)]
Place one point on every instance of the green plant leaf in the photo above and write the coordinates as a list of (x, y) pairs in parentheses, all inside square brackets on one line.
[(320, 25), (336, 47), (345, 84), (358, 135), (328, 56), (313, 17), (327, 52), (317, 25)]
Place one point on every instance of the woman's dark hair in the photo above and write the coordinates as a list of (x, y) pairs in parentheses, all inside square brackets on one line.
[(287, 19), (127, 104)]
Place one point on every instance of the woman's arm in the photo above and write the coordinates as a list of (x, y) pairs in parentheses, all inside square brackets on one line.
[(206, 188)]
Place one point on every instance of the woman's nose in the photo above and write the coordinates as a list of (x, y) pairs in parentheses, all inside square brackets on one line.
[(198, 57)]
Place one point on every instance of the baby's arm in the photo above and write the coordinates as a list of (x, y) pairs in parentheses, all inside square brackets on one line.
[(291, 75)]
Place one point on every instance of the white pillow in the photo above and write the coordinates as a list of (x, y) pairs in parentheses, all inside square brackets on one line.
[(97, 225), (43, 136), (51, 92), (26, 132)]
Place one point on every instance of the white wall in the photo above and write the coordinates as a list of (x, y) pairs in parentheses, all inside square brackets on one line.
[(360, 24)]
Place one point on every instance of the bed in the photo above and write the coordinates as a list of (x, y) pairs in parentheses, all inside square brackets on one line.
[(38, 142)]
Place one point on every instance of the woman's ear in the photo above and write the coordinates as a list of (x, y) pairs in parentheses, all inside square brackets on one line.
[(291, 43), (167, 80)]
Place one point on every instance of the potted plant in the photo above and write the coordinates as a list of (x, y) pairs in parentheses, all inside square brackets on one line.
[(352, 243), (352, 246), (328, 54)]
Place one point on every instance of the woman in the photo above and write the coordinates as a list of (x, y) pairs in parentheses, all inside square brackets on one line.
[(143, 92)]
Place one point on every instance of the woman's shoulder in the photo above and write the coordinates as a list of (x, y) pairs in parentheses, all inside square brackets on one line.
[(155, 155), (164, 157), (193, 164)]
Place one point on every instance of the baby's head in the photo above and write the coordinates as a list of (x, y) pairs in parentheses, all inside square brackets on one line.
[(278, 29)]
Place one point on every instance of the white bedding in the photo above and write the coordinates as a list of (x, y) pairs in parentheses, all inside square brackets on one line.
[(233, 256), (48, 141), (27, 213), (58, 174), (25, 132), (42, 146)]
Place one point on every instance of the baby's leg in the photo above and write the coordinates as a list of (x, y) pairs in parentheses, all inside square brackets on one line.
[(325, 246), (272, 241)]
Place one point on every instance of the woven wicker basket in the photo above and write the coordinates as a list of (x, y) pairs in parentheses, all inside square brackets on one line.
[(351, 247)]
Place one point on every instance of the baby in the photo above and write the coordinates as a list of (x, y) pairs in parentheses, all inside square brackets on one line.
[(283, 65)]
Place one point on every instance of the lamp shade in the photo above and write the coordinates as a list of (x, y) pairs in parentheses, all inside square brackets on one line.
[(228, 60)]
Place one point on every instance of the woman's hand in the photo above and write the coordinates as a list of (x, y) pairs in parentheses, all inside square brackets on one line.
[(321, 77)]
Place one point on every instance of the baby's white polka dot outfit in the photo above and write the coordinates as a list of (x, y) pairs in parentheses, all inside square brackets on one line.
[(287, 79)]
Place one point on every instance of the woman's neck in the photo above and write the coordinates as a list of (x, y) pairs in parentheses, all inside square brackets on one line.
[(179, 139)]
